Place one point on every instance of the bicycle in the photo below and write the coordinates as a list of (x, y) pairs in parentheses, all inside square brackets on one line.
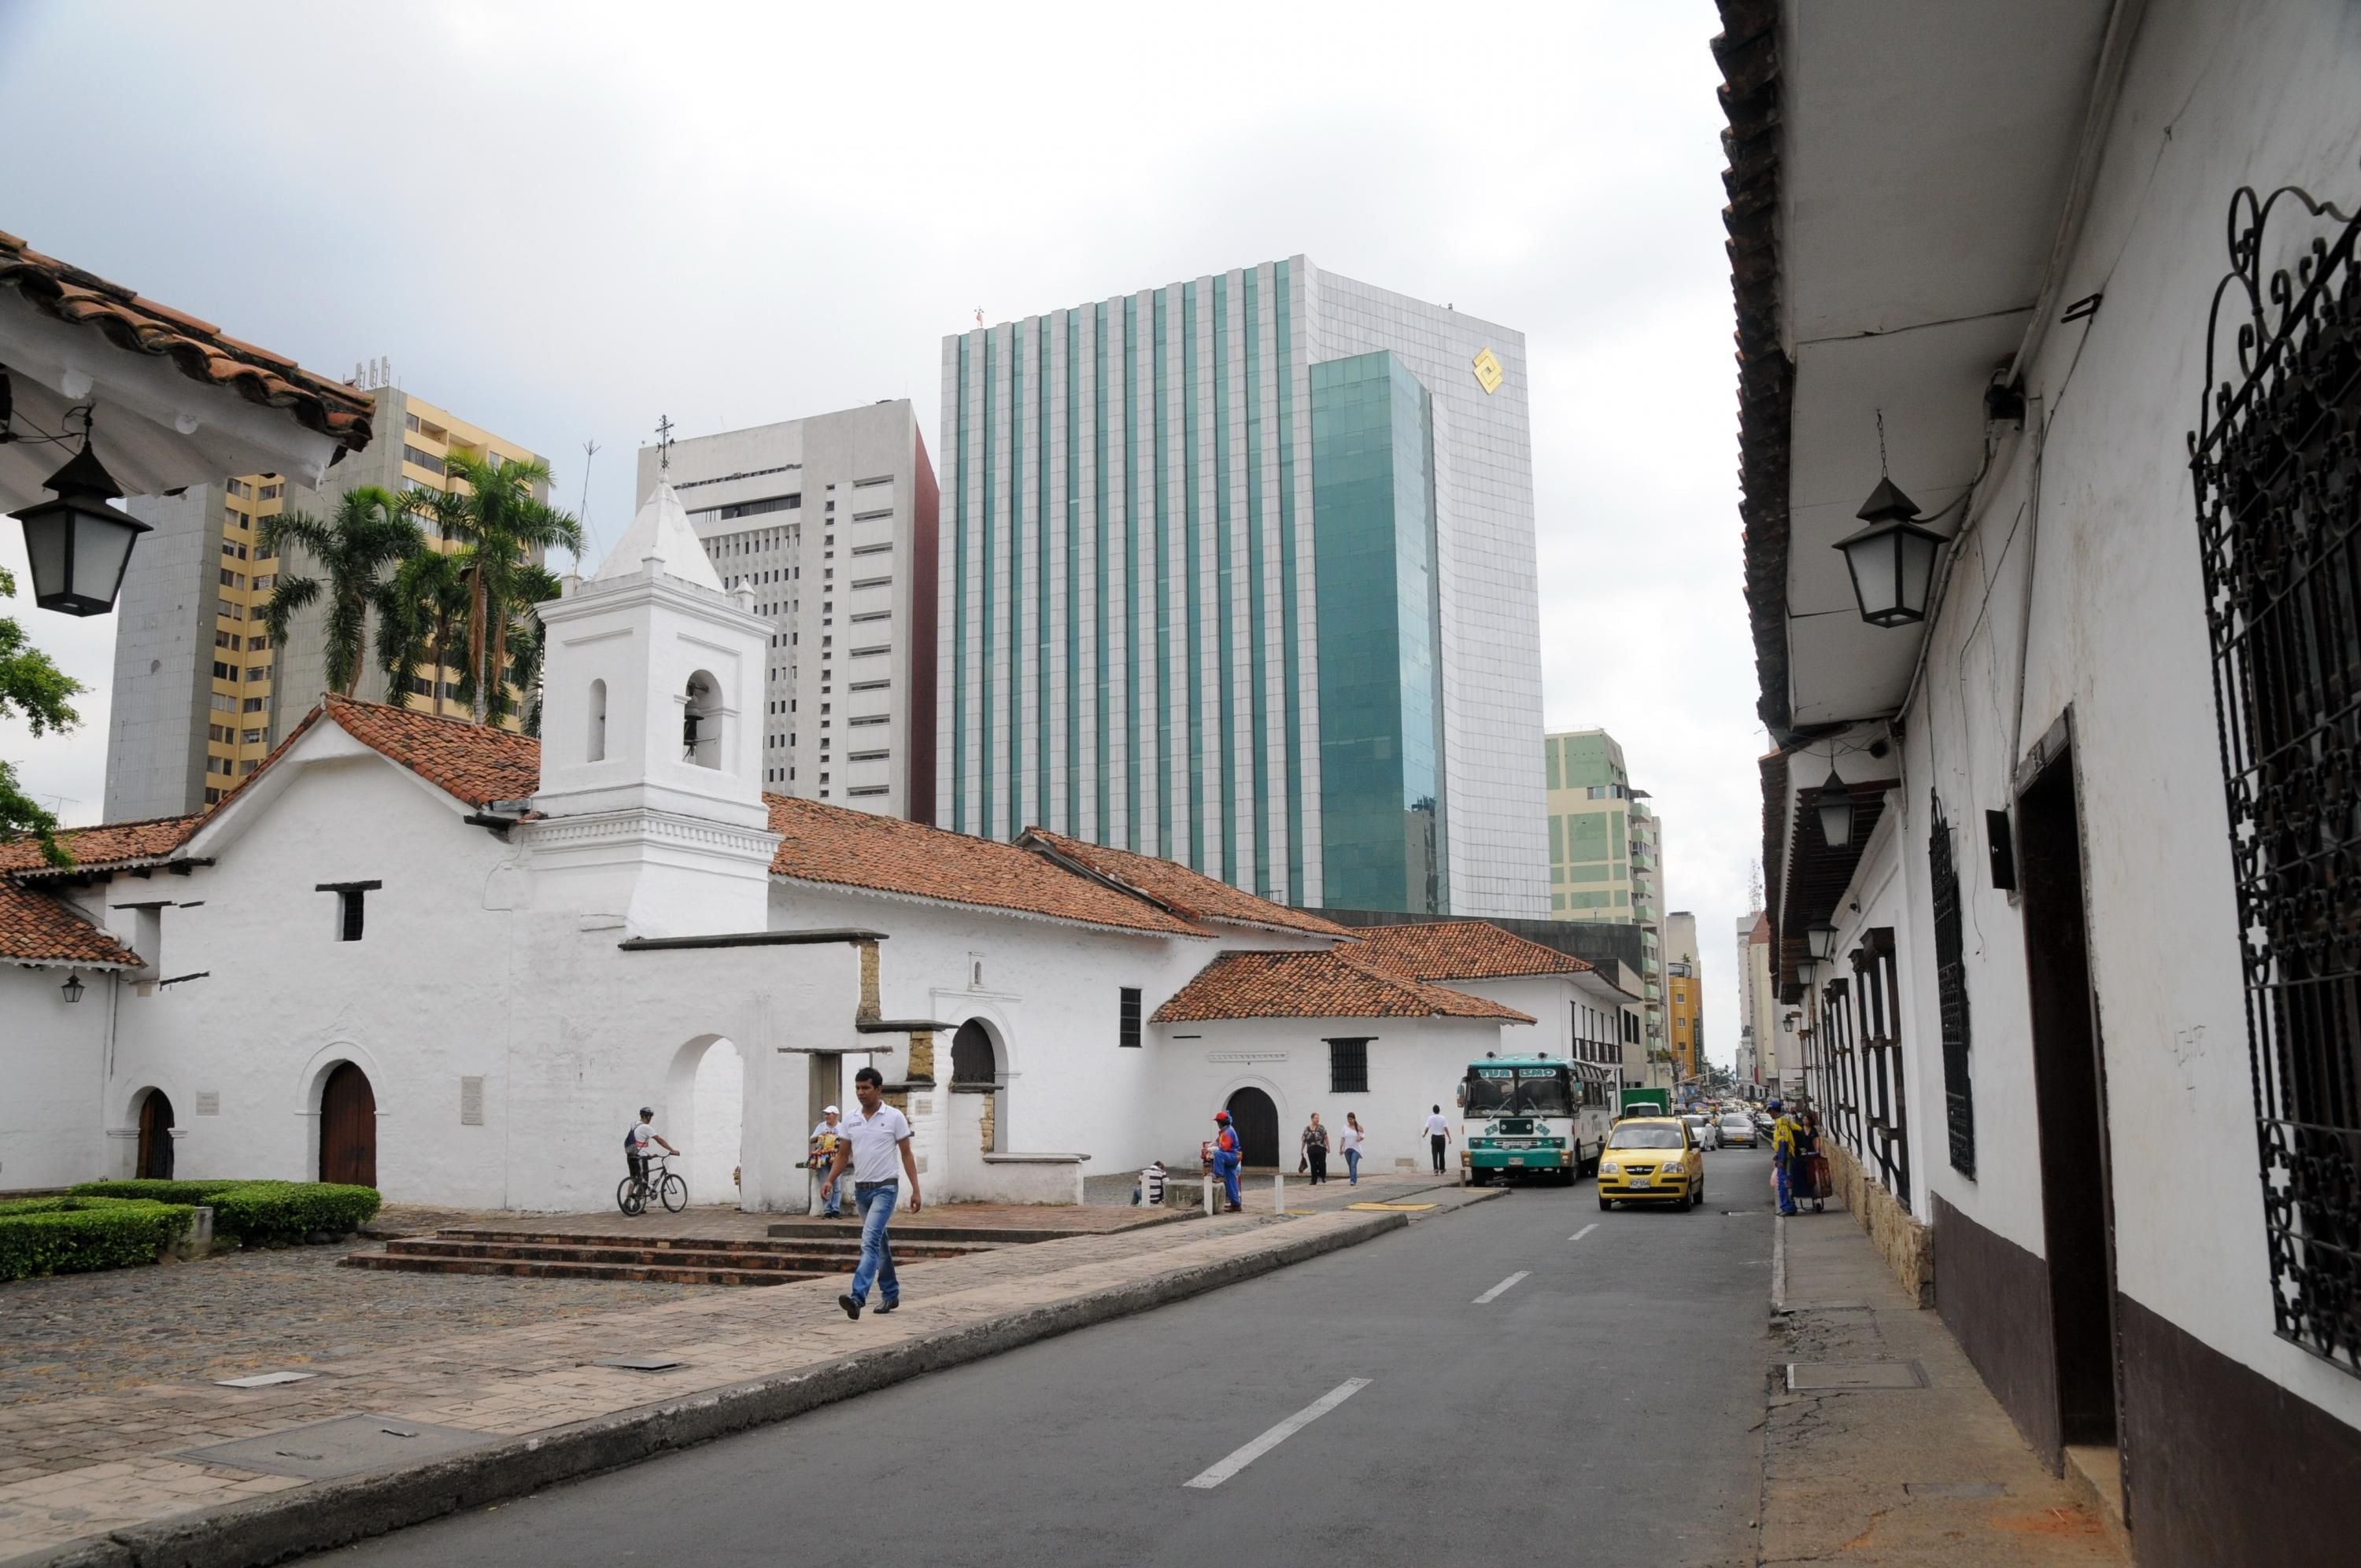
[(660, 1181)]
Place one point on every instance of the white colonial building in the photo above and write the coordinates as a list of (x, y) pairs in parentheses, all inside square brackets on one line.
[(458, 961)]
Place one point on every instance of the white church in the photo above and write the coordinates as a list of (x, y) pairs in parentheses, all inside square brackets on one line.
[(454, 962)]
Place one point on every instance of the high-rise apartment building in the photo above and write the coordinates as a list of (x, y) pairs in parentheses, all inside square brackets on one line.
[(1240, 572), (831, 521), (189, 720), (1758, 1061), (1605, 853), (1683, 995)]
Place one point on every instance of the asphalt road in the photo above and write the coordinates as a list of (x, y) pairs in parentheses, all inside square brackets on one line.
[(1606, 1402)]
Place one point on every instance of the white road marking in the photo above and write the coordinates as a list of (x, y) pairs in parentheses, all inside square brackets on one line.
[(1500, 1289), (1583, 1231), (1215, 1475)]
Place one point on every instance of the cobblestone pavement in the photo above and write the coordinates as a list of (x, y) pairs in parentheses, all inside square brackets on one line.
[(75, 1466), (259, 1312)]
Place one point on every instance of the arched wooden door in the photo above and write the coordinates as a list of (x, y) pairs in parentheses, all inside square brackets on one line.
[(155, 1137), (1257, 1120), (349, 1127)]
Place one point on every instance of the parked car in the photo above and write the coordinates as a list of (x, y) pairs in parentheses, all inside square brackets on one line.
[(1739, 1131)]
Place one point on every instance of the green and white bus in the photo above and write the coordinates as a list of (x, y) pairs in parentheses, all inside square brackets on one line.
[(1535, 1115)]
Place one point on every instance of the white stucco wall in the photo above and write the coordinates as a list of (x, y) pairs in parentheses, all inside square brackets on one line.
[(2260, 95), (52, 1061)]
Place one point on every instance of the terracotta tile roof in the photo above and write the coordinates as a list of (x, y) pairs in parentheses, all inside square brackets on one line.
[(37, 928), (1190, 895), (1317, 985), (852, 848), (1460, 949), (476, 764), (198, 348), (109, 844)]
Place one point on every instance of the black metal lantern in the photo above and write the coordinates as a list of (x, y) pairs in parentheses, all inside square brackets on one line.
[(1892, 559), (78, 544), (1822, 936), (1835, 806), (73, 988)]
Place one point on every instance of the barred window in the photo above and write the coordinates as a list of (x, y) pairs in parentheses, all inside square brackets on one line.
[(1127, 1017), (1348, 1067)]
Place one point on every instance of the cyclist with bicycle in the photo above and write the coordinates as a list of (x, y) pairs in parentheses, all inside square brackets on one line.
[(635, 1145)]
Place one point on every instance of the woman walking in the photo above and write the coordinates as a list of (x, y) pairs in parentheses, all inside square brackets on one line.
[(1350, 1140), (1315, 1149)]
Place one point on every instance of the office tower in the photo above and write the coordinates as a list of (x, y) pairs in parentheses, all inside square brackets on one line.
[(199, 695), (1240, 571), (1683, 995), (1605, 853), (831, 520)]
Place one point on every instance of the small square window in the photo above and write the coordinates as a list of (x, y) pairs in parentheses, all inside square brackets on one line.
[(1348, 1067)]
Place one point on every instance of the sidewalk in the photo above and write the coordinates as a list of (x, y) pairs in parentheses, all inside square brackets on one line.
[(107, 1478), (1911, 1474)]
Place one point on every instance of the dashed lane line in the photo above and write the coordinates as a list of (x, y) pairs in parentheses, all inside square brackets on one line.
[(1222, 1470), (1583, 1231), (1500, 1289)]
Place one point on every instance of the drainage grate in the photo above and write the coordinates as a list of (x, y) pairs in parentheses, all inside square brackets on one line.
[(349, 1445), (1836, 1376)]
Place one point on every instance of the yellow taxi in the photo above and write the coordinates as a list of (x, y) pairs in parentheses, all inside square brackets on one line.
[(1651, 1159)]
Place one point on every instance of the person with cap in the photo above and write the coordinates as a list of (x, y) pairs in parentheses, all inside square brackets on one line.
[(822, 1154), (1226, 1158), (640, 1134), (1783, 1156)]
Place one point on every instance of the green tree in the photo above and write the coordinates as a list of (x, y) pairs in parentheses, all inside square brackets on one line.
[(370, 531), (30, 684), (422, 621), (503, 530)]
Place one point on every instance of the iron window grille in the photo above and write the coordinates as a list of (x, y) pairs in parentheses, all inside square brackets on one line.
[(1348, 1067), (2277, 473), (1951, 994), (1883, 1098), (1128, 1019)]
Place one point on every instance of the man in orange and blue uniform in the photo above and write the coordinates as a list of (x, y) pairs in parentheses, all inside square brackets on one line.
[(1783, 1156), (1225, 1158)]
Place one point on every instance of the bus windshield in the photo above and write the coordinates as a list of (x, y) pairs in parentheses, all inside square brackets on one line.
[(1519, 1091)]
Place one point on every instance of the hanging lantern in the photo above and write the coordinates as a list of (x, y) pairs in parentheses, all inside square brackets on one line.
[(1822, 936), (78, 544), (73, 988), (1835, 806), (1892, 559)]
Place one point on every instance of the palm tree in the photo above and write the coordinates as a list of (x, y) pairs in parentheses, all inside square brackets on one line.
[(422, 619), (528, 644), (503, 528), (370, 531)]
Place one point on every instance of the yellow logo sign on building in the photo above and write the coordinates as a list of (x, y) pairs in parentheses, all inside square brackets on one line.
[(1489, 374)]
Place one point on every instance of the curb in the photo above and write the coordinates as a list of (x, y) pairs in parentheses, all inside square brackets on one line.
[(336, 1513), (1778, 1269)]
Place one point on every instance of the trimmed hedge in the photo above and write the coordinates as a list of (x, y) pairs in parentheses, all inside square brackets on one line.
[(72, 1235), (258, 1214)]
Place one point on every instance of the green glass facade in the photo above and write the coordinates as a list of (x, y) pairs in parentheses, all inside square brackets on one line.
[(1380, 622)]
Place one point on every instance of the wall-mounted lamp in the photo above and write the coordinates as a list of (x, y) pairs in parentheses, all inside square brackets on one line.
[(73, 987), (78, 545), (1892, 560), (1835, 805), (1822, 936)]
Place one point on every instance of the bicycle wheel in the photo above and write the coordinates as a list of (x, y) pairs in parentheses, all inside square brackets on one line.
[(674, 1193), (629, 1198)]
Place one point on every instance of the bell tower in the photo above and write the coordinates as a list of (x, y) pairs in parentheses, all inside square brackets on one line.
[(651, 796)]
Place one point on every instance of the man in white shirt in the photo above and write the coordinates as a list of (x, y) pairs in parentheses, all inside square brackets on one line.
[(1438, 1134), (822, 1154), (866, 1143)]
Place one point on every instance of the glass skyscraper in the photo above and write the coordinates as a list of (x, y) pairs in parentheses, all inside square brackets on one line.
[(1240, 572)]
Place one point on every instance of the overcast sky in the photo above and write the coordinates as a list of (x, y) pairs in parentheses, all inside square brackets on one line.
[(563, 221)]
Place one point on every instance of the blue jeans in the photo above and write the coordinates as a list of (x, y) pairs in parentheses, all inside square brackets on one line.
[(1228, 1171), (1353, 1168), (875, 1200), (1787, 1190)]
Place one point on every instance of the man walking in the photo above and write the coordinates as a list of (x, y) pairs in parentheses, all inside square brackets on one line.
[(1226, 1158), (865, 1144), (822, 1154), (1438, 1134), (1783, 1156)]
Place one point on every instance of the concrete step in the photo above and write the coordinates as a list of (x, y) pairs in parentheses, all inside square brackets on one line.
[(835, 1260), (818, 1242), (973, 1237), (678, 1273)]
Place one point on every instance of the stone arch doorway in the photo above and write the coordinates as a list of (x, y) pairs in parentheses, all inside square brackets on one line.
[(975, 1069), (1257, 1121), (705, 1113), (349, 1127), (155, 1137)]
